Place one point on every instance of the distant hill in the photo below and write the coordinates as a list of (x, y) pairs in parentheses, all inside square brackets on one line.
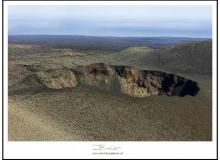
[(194, 57), (137, 50), (99, 43)]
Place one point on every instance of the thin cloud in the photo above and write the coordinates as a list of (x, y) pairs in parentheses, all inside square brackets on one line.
[(192, 21)]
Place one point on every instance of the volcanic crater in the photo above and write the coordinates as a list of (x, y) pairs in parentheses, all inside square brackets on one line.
[(116, 79)]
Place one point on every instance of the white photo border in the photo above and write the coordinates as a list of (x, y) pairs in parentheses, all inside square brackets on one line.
[(129, 149)]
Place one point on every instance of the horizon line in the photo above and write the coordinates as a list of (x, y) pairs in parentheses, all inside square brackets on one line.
[(108, 36)]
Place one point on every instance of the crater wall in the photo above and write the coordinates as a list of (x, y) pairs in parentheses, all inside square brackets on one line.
[(116, 79)]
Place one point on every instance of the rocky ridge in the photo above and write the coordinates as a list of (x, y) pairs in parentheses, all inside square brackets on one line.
[(116, 79)]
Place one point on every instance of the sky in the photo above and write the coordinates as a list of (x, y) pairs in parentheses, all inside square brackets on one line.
[(112, 20)]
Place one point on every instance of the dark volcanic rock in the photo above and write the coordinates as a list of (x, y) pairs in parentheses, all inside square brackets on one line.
[(136, 83), (179, 86)]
